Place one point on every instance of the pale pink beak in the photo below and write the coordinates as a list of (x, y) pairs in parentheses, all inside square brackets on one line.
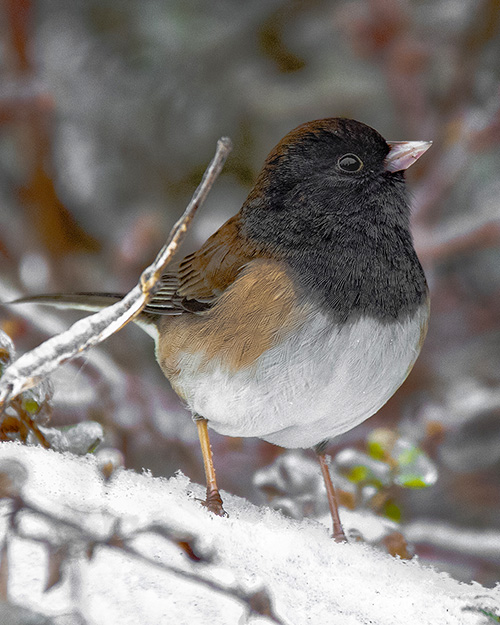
[(404, 153)]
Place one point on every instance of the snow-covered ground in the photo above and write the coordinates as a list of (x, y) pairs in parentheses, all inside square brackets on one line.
[(132, 579)]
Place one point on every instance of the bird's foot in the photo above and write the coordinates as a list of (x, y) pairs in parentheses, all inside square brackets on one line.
[(213, 503), (338, 535)]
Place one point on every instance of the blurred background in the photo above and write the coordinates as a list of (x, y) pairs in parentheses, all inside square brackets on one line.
[(109, 113)]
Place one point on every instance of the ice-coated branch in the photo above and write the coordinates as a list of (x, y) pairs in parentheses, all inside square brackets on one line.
[(256, 602), (29, 369)]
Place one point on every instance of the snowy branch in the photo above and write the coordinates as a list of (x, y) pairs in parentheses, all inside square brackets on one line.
[(73, 536), (35, 365)]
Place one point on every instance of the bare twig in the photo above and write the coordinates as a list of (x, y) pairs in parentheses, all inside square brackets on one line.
[(4, 570), (35, 365), (448, 244), (255, 602)]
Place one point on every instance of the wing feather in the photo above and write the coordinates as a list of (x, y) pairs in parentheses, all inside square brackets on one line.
[(201, 277)]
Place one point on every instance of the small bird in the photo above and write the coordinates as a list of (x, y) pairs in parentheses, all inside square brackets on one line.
[(304, 313)]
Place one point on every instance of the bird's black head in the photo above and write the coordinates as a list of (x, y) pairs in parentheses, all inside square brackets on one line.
[(331, 200), (325, 171), (335, 150)]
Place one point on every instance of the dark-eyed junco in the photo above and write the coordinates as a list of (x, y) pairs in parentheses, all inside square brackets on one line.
[(302, 315)]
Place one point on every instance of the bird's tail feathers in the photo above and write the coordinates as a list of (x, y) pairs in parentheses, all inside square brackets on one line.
[(90, 302)]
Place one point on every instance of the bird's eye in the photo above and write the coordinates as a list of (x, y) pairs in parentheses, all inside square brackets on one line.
[(350, 163)]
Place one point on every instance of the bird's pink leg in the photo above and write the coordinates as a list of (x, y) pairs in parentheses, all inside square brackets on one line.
[(213, 501), (338, 532)]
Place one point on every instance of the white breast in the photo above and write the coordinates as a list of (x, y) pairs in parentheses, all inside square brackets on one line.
[(322, 381)]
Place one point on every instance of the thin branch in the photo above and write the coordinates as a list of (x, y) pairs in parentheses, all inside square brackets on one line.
[(449, 244), (256, 602), (152, 274), (35, 365)]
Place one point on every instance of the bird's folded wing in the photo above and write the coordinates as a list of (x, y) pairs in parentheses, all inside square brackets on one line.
[(201, 277)]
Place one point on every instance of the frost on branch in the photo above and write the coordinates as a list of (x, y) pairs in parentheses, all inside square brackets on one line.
[(36, 365)]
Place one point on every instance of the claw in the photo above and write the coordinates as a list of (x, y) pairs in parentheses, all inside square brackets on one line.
[(213, 503)]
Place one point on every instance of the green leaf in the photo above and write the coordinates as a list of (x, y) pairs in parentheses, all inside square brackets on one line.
[(411, 481), (491, 616), (358, 474), (31, 406), (376, 450), (392, 511), (409, 456), (94, 445)]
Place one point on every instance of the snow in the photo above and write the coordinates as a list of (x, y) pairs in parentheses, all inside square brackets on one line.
[(311, 579)]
